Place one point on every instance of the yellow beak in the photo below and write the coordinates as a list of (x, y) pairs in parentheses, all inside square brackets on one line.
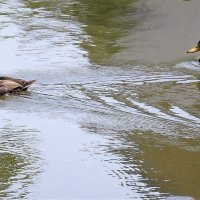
[(194, 49)]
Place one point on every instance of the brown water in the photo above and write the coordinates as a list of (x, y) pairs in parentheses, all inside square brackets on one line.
[(115, 112)]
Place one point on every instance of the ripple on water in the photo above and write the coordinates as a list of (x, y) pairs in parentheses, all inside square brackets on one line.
[(20, 163), (143, 115), (195, 66)]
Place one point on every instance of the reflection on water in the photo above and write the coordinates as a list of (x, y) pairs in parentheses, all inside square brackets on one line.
[(168, 161), (147, 117), (104, 22), (19, 157)]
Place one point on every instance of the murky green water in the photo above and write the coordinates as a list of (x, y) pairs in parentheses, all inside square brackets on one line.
[(100, 123)]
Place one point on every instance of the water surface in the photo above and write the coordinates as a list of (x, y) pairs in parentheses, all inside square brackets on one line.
[(113, 115)]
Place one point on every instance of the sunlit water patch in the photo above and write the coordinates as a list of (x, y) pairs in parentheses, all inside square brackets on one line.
[(40, 156), (36, 38)]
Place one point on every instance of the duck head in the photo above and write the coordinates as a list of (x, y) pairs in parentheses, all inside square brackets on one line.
[(194, 49)]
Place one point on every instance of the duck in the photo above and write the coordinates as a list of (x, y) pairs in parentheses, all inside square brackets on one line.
[(9, 85), (194, 49)]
